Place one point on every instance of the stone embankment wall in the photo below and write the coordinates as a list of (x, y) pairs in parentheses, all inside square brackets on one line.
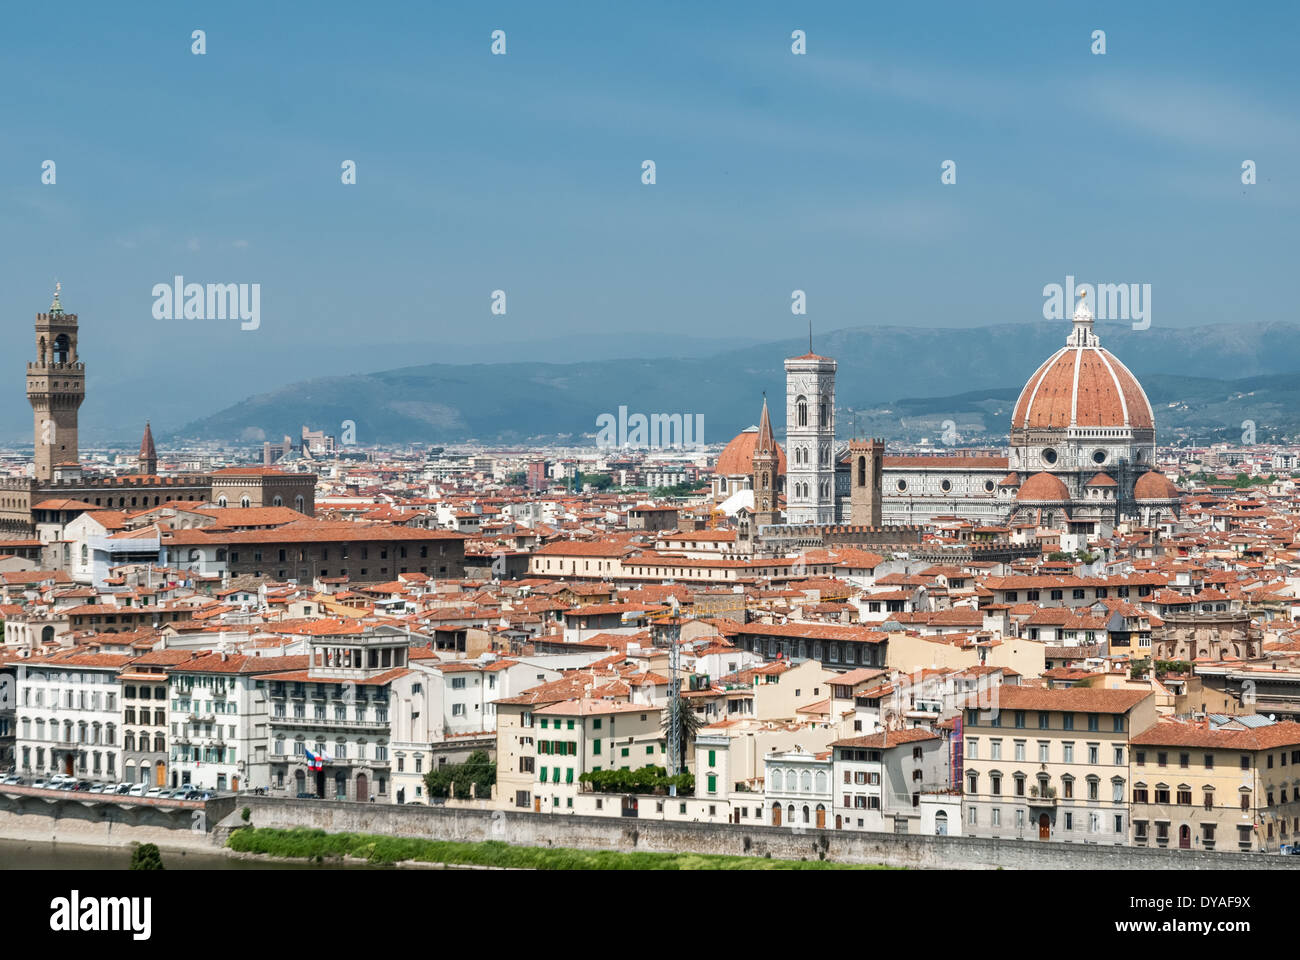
[(606, 833)]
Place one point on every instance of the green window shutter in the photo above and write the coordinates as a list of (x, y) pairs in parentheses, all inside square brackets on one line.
[(713, 759), (713, 784), (543, 775), (556, 772), (568, 775), (595, 747), (624, 751), (595, 724), (543, 723), (570, 724), (650, 748)]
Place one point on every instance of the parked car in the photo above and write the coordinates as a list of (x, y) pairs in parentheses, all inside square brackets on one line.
[(99, 788), (122, 789), (41, 783), (158, 792), (137, 789), (12, 778)]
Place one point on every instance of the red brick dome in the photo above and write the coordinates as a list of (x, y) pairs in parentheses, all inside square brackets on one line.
[(1155, 486), (1044, 487), (1083, 386), (737, 457)]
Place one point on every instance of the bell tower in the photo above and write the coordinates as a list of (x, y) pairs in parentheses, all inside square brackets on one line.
[(56, 385), (766, 463), (866, 460)]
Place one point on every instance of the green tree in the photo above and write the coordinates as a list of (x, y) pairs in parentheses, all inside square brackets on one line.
[(478, 769), (147, 857)]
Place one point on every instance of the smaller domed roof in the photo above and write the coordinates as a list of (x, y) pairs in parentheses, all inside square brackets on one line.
[(1101, 480), (1044, 487), (737, 457), (1153, 485), (1012, 479)]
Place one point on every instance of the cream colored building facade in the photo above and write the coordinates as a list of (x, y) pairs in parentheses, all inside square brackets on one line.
[(1227, 784), (1051, 764)]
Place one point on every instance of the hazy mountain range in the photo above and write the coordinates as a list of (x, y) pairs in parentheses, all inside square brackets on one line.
[(1203, 383)]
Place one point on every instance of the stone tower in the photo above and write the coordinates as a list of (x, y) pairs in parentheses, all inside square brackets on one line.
[(866, 463), (766, 460), (810, 439), (56, 385), (147, 462)]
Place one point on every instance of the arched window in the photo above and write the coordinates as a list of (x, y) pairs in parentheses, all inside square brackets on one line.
[(62, 348), (277, 502), (801, 408), (85, 553), (221, 501), (862, 471), (299, 503), (807, 783), (244, 502)]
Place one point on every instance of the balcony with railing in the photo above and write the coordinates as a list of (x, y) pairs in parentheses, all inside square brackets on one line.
[(1042, 796), (330, 722)]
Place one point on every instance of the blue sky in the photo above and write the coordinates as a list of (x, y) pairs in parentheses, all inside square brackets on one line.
[(522, 172)]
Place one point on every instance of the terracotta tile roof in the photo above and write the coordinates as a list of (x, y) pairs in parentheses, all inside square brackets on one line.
[(1071, 699), (888, 739)]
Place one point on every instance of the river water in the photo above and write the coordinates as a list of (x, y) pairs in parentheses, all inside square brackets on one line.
[(43, 855)]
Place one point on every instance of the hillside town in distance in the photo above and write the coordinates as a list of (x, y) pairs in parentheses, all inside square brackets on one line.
[(1081, 636)]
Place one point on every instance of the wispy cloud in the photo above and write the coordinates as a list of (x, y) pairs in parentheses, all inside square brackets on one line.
[(1192, 114)]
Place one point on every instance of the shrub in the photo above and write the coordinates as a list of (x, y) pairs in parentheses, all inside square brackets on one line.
[(147, 856)]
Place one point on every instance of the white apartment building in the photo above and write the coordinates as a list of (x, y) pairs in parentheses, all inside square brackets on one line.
[(878, 779), (69, 715), (218, 714), (797, 788)]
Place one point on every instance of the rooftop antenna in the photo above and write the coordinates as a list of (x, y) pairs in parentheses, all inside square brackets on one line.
[(810, 349)]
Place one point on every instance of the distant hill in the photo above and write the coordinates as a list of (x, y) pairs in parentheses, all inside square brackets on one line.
[(1202, 381)]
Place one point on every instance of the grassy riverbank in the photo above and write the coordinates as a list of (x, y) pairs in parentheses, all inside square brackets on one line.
[(310, 844)]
